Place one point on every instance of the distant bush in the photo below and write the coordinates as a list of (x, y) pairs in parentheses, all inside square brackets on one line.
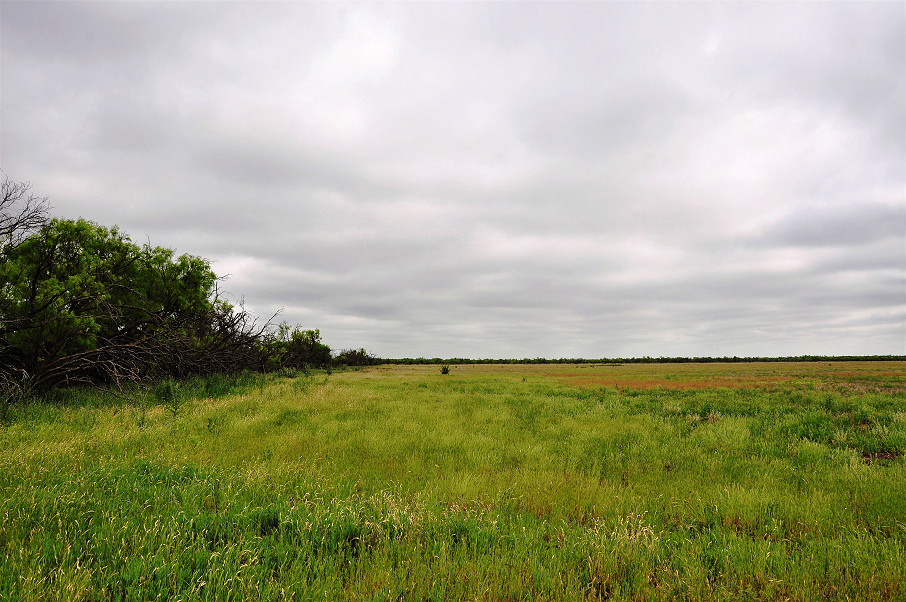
[(356, 357), (287, 372), (294, 348)]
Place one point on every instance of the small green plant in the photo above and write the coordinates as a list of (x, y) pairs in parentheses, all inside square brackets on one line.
[(217, 385), (141, 416), (445, 369), (214, 423), (302, 384), (10, 393), (168, 392), (286, 372)]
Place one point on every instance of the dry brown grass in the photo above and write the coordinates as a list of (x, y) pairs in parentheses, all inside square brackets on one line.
[(854, 377), (712, 382)]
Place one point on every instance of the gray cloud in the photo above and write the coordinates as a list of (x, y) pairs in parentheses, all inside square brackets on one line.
[(491, 179), (839, 226)]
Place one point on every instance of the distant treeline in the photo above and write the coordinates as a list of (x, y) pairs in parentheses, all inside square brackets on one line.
[(649, 360)]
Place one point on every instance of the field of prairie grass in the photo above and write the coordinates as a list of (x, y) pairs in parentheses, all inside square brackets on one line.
[(511, 482)]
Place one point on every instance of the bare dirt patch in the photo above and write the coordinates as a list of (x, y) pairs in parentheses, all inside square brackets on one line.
[(871, 457)]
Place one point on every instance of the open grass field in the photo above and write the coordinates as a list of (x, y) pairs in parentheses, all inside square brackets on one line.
[(778, 481)]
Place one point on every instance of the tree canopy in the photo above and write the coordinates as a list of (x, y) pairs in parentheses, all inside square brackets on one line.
[(82, 303)]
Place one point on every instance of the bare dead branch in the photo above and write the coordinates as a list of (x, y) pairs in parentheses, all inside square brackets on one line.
[(21, 213)]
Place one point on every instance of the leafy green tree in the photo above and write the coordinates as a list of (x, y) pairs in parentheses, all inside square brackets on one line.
[(356, 357), (82, 303), (293, 347)]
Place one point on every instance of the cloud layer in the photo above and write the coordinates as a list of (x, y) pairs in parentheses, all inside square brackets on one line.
[(492, 179)]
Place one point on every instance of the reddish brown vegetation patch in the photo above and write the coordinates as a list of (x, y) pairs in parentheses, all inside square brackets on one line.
[(863, 374), (707, 382)]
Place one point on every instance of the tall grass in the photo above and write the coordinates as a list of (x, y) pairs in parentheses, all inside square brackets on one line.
[(516, 482)]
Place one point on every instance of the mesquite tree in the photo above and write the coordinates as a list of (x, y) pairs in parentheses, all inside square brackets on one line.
[(294, 347), (81, 303)]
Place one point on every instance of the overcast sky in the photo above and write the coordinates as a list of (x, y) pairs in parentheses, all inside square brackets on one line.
[(520, 179)]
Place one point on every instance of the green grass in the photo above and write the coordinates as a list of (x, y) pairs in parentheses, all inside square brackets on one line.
[(491, 482)]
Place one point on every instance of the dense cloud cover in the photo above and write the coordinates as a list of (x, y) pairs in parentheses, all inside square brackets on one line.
[(492, 179)]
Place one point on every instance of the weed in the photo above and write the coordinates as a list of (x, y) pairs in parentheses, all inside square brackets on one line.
[(287, 372), (214, 423), (169, 393), (217, 385), (303, 384)]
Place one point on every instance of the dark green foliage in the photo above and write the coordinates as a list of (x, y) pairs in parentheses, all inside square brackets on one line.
[(168, 392), (217, 385), (356, 357), (83, 303), (296, 349), (445, 369), (287, 372)]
